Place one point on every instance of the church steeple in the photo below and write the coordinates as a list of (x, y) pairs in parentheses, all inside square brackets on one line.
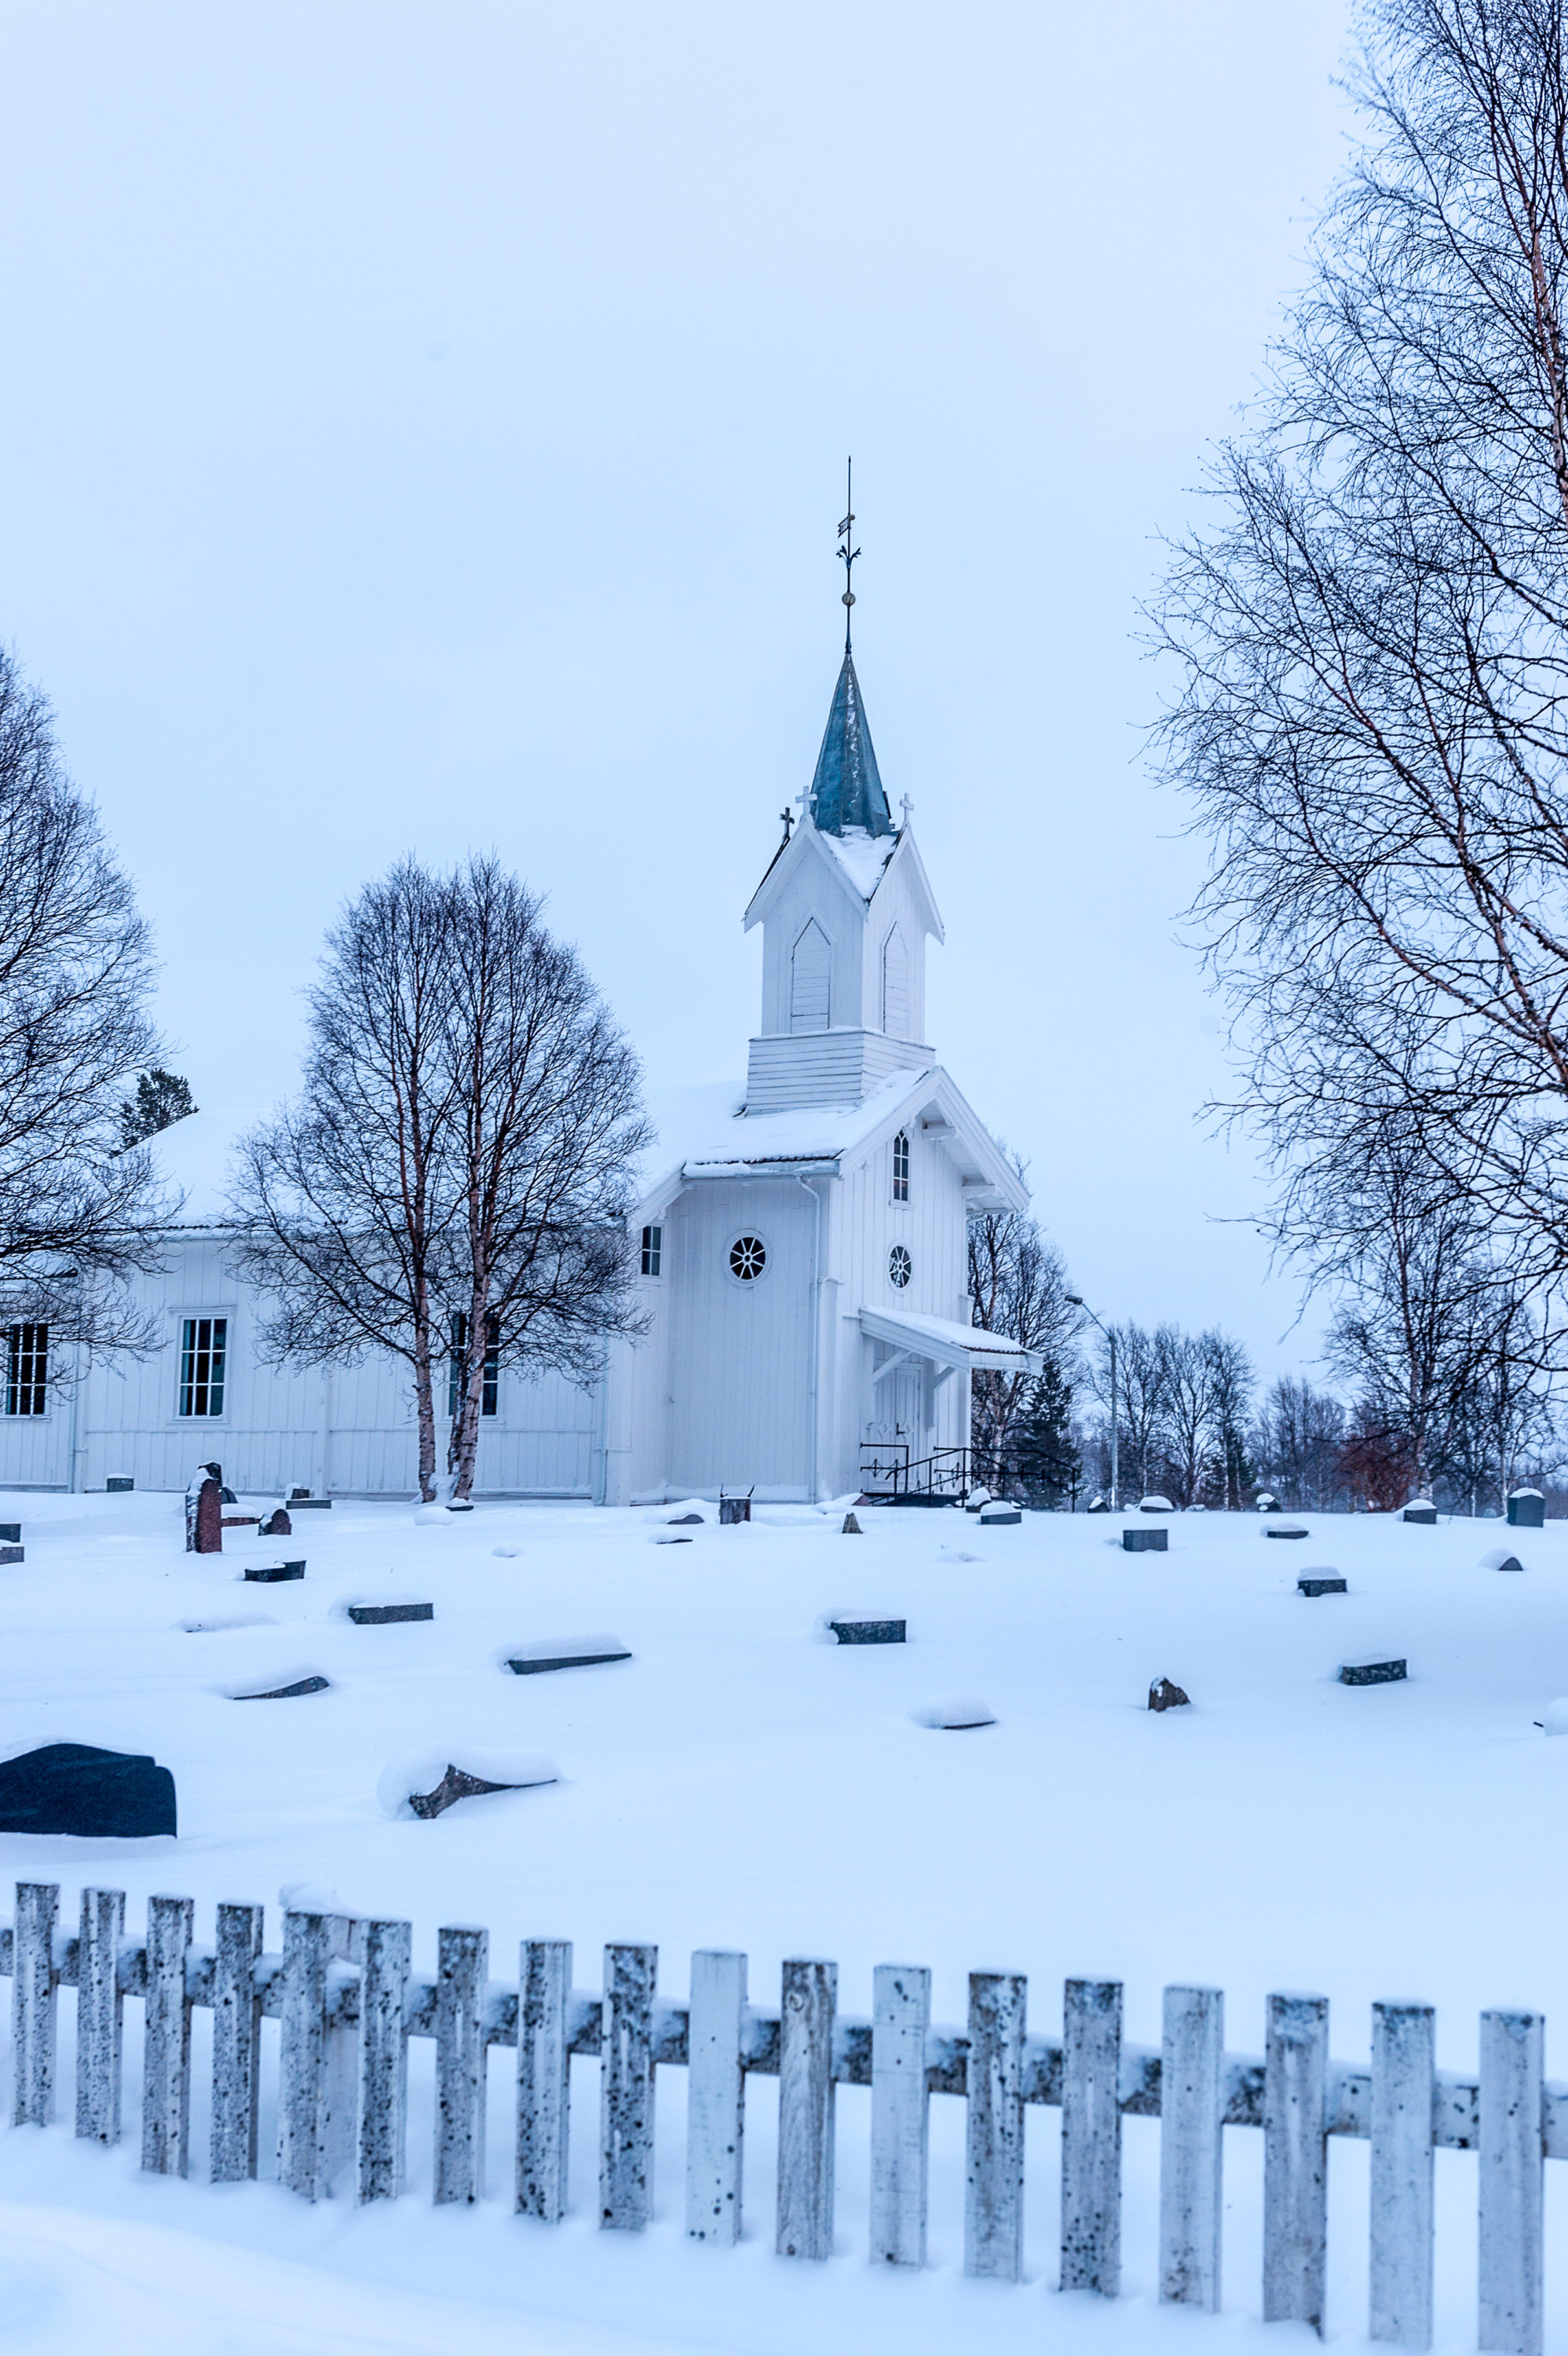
[(846, 790)]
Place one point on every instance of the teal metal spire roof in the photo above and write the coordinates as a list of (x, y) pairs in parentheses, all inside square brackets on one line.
[(846, 790)]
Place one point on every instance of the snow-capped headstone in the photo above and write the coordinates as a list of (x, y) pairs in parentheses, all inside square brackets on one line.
[(1526, 1510), (1320, 1582), (1163, 1695), (999, 1516), (384, 1615), (1502, 1559), (290, 1689), (1146, 1541), (955, 1716), (1421, 1510), (204, 1511), (273, 1574), (1156, 1505), (119, 1485), (276, 1525)]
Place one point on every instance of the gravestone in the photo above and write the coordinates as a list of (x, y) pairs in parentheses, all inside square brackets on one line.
[(685, 1522), (1099, 1506), (1321, 1583), (270, 1574), (998, 1516), (288, 1692), (1163, 1695), (310, 1505), (1371, 1673), (851, 1528), (277, 1524), (567, 1652), (455, 1786), (1286, 1530), (70, 1787), (734, 1509), (869, 1632), (1156, 1505), (1526, 1510), (382, 1616), (119, 1485), (10, 1533), (1421, 1509), (1146, 1541), (1267, 1502), (204, 1511), (957, 1716), (9, 1554)]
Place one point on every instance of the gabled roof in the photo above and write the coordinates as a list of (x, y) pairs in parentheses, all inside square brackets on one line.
[(858, 862), (846, 790), (706, 1133)]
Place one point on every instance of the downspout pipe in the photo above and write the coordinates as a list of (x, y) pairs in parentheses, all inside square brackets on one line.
[(811, 1486)]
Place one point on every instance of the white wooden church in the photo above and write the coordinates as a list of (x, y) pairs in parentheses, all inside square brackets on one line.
[(801, 1247)]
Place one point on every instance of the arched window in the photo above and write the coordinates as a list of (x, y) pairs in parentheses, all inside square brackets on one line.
[(895, 986), (810, 1000), (901, 1166)]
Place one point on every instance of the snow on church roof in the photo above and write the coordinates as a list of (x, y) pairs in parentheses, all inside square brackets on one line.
[(862, 856), (705, 1133)]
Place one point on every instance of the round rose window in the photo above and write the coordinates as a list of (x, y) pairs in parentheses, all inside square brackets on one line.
[(748, 1258), (900, 1268)]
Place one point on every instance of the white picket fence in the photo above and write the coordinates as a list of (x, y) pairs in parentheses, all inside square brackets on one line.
[(348, 2002)]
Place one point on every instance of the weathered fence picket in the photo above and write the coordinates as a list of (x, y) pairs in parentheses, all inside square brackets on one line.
[(806, 2114), (1403, 2075), (235, 2044), (716, 2097), (994, 2146), (1295, 2165), (1511, 2220), (1091, 2136), (33, 2005), (1191, 2111), (461, 1976), (100, 2011), (544, 2078), (348, 2002), (381, 2137), (900, 2026), (626, 2088)]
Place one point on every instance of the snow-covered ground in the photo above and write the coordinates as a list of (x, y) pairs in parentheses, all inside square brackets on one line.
[(742, 1783)]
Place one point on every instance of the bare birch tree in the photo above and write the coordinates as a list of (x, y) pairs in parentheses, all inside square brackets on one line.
[(1372, 635), (549, 1122), (77, 1214), (347, 1219)]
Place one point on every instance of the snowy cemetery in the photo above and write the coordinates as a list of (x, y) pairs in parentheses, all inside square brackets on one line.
[(528, 1797)]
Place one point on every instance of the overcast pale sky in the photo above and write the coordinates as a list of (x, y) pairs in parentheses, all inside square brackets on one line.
[(425, 425)]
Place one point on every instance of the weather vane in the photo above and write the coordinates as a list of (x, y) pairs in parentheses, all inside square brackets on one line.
[(846, 553)]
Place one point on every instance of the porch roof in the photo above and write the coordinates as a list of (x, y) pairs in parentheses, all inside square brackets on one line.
[(948, 1343)]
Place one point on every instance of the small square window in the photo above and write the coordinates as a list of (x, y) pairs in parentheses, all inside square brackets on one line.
[(27, 1373), (900, 1167), (489, 1398), (204, 1353), (652, 1248)]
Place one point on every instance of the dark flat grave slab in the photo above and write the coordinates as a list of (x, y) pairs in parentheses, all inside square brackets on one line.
[(687, 1522), (1146, 1541), (1371, 1673), (567, 1652), (1290, 1530), (1323, 1584), (10, 1533), (458, 1783), (869, 1632), (310, 1505), (270, 1574), (119, 1484), (71, 1787), (382, 1616), (12, 1553), (998, 1517), (1426, 1514), (287, 1693)]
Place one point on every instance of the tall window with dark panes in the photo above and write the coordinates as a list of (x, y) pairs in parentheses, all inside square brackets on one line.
[(653, 1250), (27, 1370), (490, 1396), (900, 1167), (204, 1353)]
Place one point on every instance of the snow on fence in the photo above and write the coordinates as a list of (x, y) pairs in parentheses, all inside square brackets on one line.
[(348, 2002)]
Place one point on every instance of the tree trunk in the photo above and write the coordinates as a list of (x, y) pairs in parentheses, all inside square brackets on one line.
[(425, 1404), (463, 1447)]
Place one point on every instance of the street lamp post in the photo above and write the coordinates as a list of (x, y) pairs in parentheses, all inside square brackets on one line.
[(1109, 1332)]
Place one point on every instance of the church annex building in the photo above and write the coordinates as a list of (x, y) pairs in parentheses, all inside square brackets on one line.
[(801, 1248)]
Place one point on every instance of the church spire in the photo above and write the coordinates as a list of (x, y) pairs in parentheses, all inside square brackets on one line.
[(846, 790)]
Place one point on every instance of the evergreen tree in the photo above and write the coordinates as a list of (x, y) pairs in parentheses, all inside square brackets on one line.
[(161, 1098), (1049, 1464)]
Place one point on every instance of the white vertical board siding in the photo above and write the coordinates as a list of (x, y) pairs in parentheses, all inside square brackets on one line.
[(740, 1353)]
